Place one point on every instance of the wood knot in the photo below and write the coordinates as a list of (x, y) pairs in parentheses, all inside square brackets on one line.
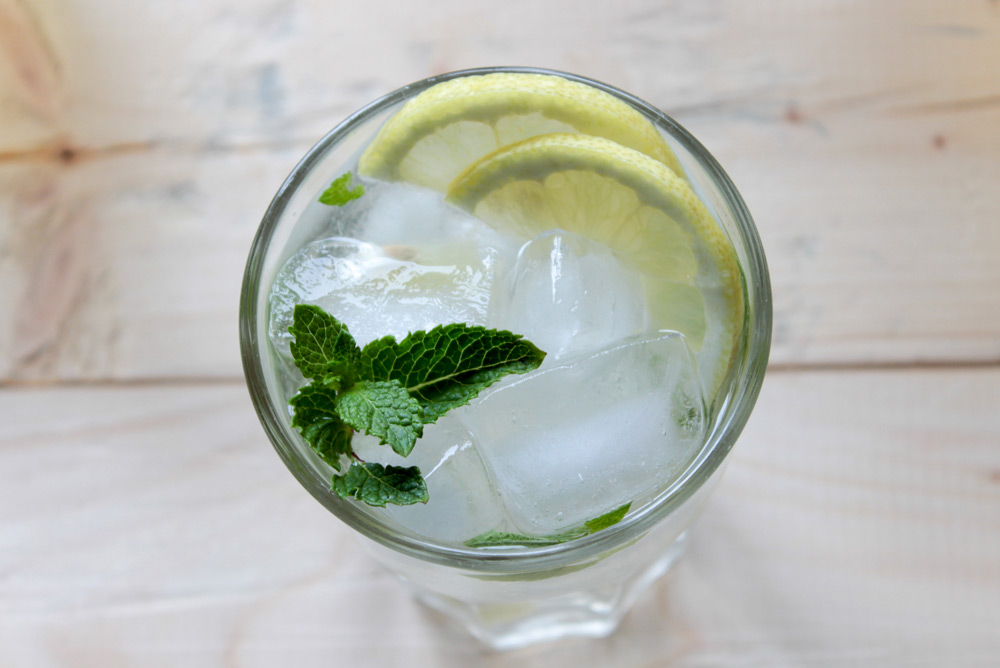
[(793, 115), (67, 154)]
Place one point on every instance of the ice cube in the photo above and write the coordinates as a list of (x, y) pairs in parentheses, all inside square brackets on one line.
[(568, 294), (570, 443), (309, 277), (416, 224), (376, 295), (462, 501)]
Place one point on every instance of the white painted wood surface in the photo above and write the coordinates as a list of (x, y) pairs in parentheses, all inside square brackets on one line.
[(141, 143), (144, 519), (857, 525)]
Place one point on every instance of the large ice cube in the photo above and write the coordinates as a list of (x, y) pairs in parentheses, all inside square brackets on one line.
[(375, 294), (462, 501), (572, 442), (416, 224), (568, 294), (310, 276)]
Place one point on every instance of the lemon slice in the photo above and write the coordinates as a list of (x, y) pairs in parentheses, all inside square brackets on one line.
[(636, 206), (446, 128)]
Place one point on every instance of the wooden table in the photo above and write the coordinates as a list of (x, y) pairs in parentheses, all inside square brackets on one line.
[(144, 518)]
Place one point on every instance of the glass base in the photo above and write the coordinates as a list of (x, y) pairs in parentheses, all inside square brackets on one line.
[(595, 613)]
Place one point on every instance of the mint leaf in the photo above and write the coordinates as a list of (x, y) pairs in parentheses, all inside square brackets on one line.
[(317, 419), (323, 348), (383, 409), (449, 365), (378, 485), (504, 539), (340, 192), (390, 390), (607, 519)]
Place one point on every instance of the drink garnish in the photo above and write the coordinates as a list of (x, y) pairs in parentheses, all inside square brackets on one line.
[(378, 485), (447, 127), (636, 206), (506, 539), (340, 191), (390, 389)]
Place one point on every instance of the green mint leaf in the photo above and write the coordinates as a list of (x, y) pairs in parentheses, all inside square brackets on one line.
[(323, 348), (378, 485), (340, 192), (383, 409), (390, 390), (505, 539), (449, 365), (607, 519), (316, 418)]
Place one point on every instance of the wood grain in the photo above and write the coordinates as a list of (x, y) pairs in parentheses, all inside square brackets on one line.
[(127, 267), (866, 140), (858, 524), (144, 519)]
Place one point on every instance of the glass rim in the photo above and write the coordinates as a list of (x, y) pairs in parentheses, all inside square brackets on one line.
[(733, 415)]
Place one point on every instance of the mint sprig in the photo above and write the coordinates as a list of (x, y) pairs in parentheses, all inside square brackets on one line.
[(506, 539), (390, 390), (340, 191)]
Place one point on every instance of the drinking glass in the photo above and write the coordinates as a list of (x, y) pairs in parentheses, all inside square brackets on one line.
[(511, 597)]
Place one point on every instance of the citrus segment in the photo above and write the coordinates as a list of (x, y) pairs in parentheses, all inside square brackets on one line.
[(443, 130), (636, 206)]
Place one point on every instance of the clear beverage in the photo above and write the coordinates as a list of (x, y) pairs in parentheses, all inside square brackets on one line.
[(623, 409)]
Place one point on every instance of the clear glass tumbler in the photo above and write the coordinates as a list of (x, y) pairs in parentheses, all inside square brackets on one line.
[(510, 598)]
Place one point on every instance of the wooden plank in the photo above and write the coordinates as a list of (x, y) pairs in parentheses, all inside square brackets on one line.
[(865, 138), (867, 146), (858, 524), (130, 267), (109, 73), (881, 247)]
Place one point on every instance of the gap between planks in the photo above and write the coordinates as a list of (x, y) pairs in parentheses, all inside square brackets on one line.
[(781, 368)]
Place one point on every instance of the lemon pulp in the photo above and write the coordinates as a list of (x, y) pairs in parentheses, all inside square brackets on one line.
[(527, 153), (636, 206), (439, 133)]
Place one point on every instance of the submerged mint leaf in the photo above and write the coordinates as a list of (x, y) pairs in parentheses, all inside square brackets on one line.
[(506, 539), (340, 192), (323, 348), (316, 418), (378, 485), (383, 409), (449, 365), (607, 519)]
